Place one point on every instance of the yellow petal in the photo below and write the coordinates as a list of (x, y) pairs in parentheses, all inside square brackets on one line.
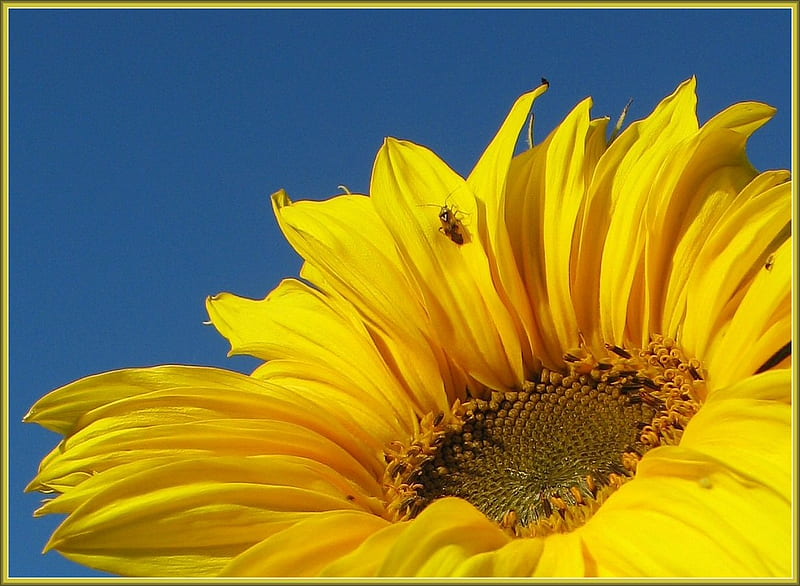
[(307, 547), (672, 121), (544, 210), (61, 409), (345, 240), (296, 322), (772, 385), (765, 181), (215, 506), (565, 175), (697, 184), (687, 515), (562, 556), (366, 559), (747, 427), (743, 117), (347, 421), (488, 179), (90, 484), (517, 558), (762, 322), (730, 255), (195, 562), (115, 441), (522, 268), (349, 253), (446, 534), (409, 184), (602, 198), (178, 394)]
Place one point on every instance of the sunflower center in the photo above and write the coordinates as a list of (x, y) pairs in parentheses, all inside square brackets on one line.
[(543, 458)]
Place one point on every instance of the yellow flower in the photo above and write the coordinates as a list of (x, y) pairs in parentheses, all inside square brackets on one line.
[(574, 362)]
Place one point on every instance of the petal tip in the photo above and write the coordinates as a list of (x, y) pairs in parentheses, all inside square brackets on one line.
[(391, 143), (52, 543), (280, 199), (690, 85)]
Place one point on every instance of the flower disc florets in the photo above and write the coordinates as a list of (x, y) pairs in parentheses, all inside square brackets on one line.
[(543, 458)]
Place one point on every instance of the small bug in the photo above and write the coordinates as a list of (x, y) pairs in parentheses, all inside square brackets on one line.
[(770, 262), (452, 226)]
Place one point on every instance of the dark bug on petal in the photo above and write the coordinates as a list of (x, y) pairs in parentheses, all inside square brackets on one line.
[(451, 224)]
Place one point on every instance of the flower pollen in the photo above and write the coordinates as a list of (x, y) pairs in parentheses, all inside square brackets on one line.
[(542, 459)]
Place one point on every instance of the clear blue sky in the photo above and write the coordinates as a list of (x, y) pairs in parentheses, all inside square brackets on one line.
[(144, 145)]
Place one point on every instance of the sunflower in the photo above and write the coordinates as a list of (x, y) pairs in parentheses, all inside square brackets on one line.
[(574, 362)]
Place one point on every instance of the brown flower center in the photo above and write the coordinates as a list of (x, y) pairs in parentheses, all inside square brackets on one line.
[(543, 458)]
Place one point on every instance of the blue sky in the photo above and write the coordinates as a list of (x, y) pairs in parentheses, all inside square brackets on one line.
[(144, 145)]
